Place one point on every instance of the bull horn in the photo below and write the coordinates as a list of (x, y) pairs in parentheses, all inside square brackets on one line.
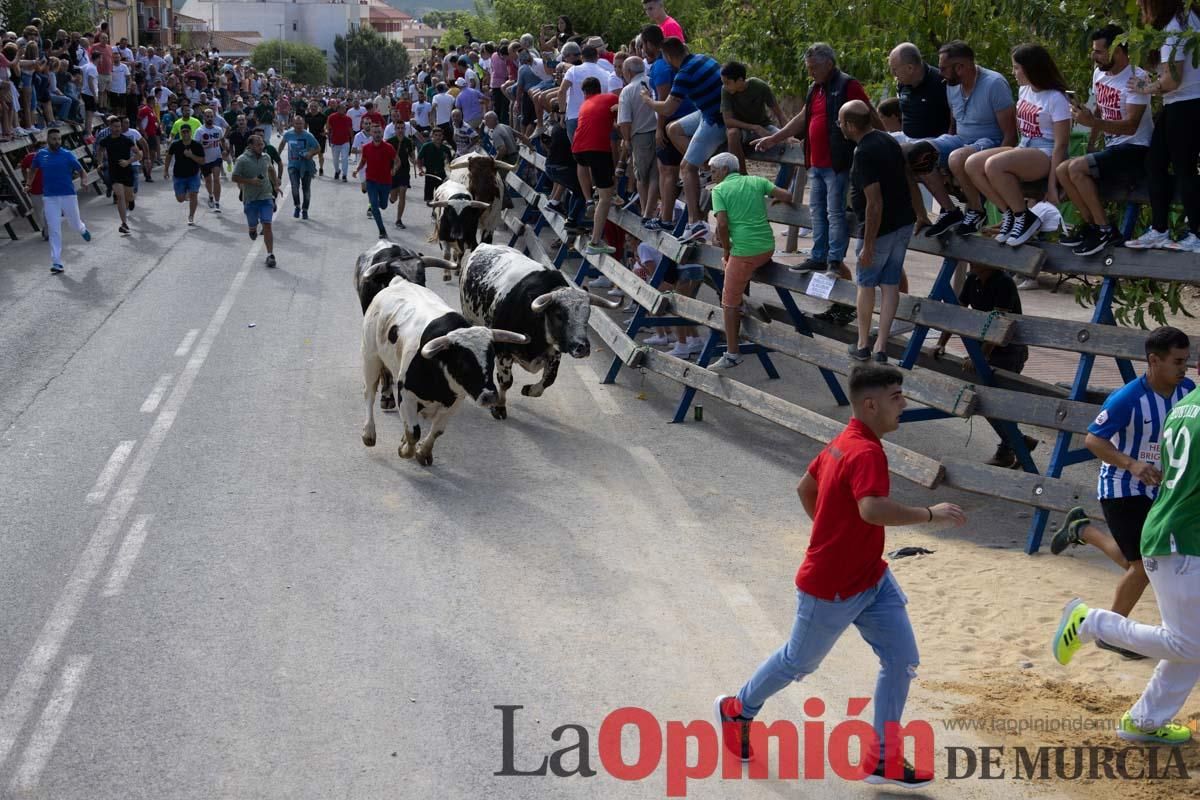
[(541, 301), (507, 337), (503, 166), (437, 204), (597, 300), (429, 262), (479, 204), (435, 346)]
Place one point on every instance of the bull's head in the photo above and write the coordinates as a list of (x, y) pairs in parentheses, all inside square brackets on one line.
[(565, 312), (468, 359)]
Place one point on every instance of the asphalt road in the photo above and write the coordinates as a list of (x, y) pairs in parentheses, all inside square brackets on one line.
[(210, 589)]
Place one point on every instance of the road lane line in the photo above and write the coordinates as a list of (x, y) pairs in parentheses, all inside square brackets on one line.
[(156, 394), (126, 555), (186, 344), (600, 393), (50, 726), (23, 694), (112, 468)]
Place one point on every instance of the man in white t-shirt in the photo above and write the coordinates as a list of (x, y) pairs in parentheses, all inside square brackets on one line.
[(356, 112), (212, 139), (1123, 118), (570, 93), (443, 104), (421, 109)]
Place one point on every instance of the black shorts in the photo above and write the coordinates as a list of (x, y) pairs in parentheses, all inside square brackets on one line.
[(89, 101), (431, 183), (400, 180), (121, 175), (668, 156), (320, 143), (211, 167), (1122, 162), (601, 165), (1126, 516), (422, 129)]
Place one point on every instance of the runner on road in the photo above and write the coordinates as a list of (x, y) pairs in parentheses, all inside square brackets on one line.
[(188, 156), (301, 147), (58, 168), (254, 174), (212, 139)]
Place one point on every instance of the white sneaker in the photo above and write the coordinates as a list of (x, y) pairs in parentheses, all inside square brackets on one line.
[(726, 362), (615, 292), (657, 340), (695, 345), (1150, 240), (680, 350), (1188, 244), (600, 283), (1028, 283)]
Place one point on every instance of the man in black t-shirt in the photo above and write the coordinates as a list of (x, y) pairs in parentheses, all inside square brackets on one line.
[(887, 205), (116, 152), (988, 289), (924, 109), (405, 155), (239, 136), (315, 118), (188, 156)]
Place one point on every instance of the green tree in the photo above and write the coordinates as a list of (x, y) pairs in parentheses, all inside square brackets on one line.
[(374, 61), (67, 15), (300, 62)]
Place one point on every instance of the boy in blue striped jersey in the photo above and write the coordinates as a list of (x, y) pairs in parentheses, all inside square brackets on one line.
[(1125, 436)]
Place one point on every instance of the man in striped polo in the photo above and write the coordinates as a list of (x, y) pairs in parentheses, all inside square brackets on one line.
[(699, 134), (1125, 436)]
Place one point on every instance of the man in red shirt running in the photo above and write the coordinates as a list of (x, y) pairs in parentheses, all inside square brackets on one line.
[(341, 130), (379, 158), (592, 149), (844, 580)]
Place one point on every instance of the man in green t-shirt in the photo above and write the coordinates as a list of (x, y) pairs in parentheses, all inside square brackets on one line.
[(745, 236), (185, 118), (432, 159), (1171, 556), (253, 172), (747, 105)]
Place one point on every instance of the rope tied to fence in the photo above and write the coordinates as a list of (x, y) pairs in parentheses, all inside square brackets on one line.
[(987, 323)]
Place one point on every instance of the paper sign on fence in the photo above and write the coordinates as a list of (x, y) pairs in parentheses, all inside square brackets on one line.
[(820, 285)]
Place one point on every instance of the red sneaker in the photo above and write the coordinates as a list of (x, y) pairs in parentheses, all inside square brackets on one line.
[(732, 727)]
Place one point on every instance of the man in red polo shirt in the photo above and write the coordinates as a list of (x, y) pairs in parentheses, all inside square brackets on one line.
[(592, 149), (379, 158), (341, 129), (844, 580)]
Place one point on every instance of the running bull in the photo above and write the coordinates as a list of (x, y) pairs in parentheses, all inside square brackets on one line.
[(456, 221), (374, 270), (438, 357), (484, 182), (503, 288)]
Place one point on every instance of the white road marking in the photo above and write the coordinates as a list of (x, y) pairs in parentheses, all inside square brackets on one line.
[(112, 468), (186, 344), (156, 394), (601, 394), (661, 482), (23, 694), (50, 726), (126, 555)]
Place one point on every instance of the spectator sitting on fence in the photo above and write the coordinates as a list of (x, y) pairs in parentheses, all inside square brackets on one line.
[(1126, 437), (887, 204), (746, 106), (503, 138), (828, 155), (990, 121), (699, 134), (992, 290), (638, 123), (593, 155), (1044, 116), (660, 77), (1123, 118), (921, 99), (745, 236), (1175, 145)]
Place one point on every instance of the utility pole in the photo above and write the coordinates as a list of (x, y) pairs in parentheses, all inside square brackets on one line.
[(280, 49)]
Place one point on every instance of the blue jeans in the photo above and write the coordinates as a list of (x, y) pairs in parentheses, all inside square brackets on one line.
[(827, 204), (377, 194), (341, 158), (881, 619)]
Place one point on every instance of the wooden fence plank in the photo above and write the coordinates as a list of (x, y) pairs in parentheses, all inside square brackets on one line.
[(1054, 494)]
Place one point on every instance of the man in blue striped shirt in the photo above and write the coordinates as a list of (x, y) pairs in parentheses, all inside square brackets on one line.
[(699, 134), (1125, 436)]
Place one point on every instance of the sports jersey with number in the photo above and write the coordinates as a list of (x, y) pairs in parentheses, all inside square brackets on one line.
[(210, 140), (1132, 419), (1173, 525)]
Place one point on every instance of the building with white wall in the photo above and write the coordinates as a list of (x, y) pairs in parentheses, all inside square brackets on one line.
[(314, 22)]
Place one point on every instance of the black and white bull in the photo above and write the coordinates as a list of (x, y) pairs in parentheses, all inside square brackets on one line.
[(503, 288), (374, 270), (439, 358), (485, 182), (456, 222)]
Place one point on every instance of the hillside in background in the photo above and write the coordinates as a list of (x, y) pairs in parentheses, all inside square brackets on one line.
[(417, 7)]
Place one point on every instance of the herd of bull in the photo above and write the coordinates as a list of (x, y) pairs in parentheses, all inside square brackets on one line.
[(429, 357)]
